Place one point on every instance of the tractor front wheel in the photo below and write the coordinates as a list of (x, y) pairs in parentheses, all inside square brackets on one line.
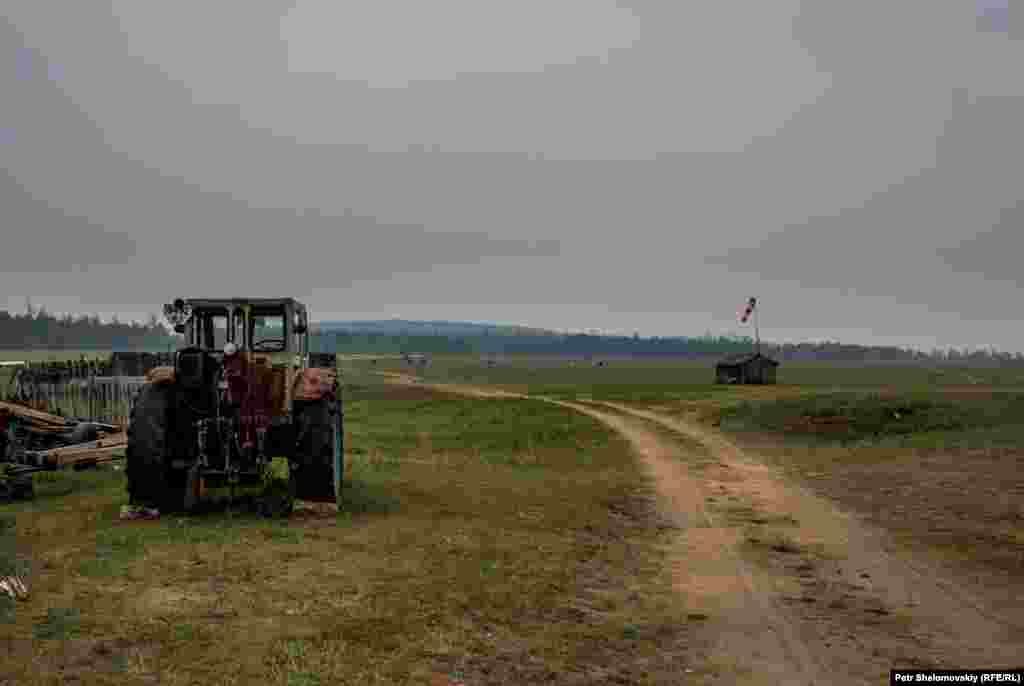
[(148, 447), (313, 458)]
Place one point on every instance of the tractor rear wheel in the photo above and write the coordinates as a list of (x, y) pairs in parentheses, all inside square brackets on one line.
[(148, 447)]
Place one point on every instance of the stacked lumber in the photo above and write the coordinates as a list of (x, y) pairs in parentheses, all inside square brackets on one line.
[(39, 421), (105, 449)]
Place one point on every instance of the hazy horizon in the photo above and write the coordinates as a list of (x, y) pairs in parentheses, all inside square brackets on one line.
[(736, 333), (633, 166)]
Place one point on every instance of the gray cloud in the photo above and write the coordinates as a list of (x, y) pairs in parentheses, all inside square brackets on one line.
[(994, 253), (41, 238), (941, 238), (653, 175)]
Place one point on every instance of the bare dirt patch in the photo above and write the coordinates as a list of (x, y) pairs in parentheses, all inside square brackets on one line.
[(857, 586), (460, 389), (961, 508), (80, 661)]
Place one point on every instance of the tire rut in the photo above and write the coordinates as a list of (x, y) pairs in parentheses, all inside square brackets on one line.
[(754, 638), (750, 637)]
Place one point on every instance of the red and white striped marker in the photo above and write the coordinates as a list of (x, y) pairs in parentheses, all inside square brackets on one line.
[(751, 304)]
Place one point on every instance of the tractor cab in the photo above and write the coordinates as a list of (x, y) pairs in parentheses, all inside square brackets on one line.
[(258, 346), (254, 325)]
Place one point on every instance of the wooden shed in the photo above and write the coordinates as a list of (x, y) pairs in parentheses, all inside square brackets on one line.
[(416, 359), (747, 368)]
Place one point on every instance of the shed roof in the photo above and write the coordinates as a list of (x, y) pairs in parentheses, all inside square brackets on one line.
[(744, 358), (255, 302)]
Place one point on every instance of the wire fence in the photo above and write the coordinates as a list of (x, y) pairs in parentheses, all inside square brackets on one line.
[(99, 391)]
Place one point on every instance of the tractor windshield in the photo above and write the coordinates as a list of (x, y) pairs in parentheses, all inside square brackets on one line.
[(260, 328), (267, 331), (212, 330)]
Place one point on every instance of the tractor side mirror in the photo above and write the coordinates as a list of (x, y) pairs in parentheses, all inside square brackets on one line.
[(300, 323)]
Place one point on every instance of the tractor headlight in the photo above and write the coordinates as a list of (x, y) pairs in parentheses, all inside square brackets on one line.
[(177, 313), (230, 349)]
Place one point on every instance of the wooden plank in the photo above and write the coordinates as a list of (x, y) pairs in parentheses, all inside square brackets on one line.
[(36, 416), (96, 455), (42, 459), (106, 441), (107, 446), (120, 380)]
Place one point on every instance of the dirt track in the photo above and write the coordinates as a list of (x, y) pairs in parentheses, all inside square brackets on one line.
[(796, 591)]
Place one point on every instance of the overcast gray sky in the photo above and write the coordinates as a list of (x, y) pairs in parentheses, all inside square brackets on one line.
[(628, 166)]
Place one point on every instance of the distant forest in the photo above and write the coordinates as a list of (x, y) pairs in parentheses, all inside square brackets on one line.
[(39, 330), (593, 345)]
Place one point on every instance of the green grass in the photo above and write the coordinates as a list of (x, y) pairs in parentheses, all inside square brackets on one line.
[(913, 419), (60, 624), (658, 377), (946, 440), (475, 538), (505, 432)]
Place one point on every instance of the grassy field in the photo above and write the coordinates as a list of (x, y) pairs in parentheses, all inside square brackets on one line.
[(491, 541), (657, 379), (668, 378), (935, 457), (497, 541)]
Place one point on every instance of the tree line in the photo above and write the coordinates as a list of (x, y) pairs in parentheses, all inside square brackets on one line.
[(584, 345), (38, 329)]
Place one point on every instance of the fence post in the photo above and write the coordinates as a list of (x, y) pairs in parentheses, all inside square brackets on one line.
[(65, 377), (80, 399), (70, 389), (131, 402)]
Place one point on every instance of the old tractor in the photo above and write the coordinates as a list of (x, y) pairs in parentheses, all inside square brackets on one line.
[(244, 390)]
